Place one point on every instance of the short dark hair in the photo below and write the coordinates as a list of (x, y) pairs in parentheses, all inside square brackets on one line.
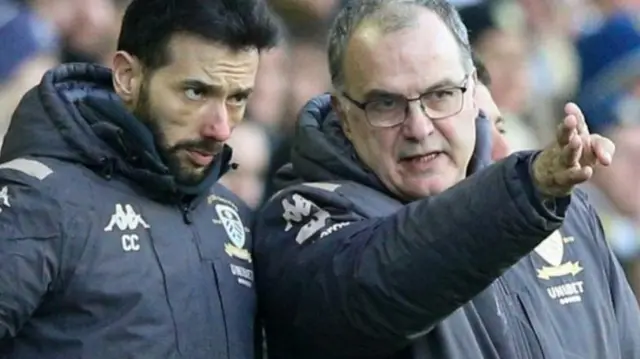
[(481, 70), (148, 25)]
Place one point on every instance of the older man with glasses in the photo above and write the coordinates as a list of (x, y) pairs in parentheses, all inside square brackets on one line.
[(378, 247)]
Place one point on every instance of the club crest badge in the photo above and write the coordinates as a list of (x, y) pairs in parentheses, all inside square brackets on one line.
[(551, 250), (234, 227)]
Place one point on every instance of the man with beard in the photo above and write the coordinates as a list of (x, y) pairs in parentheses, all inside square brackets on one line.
[(377, 246), (115, 239)]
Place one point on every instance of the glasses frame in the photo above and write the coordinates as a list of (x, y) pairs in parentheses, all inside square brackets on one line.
[(463, 87)]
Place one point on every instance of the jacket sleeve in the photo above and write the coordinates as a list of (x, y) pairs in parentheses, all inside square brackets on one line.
[(351, 286), (625, 303), (30, 243)]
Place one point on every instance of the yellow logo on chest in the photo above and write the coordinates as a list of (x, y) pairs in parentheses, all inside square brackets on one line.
[(551, 250)]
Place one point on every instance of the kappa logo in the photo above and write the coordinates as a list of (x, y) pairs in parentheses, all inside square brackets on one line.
[(234, 227), (301, 210), (296, 210), (551, 250), (126, 219)]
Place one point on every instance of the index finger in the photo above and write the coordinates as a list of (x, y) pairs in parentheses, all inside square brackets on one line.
[(572, 109), (566, 130)]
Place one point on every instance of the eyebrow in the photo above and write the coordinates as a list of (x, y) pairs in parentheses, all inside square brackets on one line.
[(444, 83), (215, 88)]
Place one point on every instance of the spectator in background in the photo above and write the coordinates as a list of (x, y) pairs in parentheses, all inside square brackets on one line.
[(486, 104), (610, 95), (28, 48), (297, 71), (609, 7), (547, 28), (23, 36), (504, 54), (251, 150), (306, 71), (85, 27), (308, 75), (270, 96), (309, 19), (35, 35)]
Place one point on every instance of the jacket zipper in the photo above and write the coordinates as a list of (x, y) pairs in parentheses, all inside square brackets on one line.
[(517, 335), (186, 215)]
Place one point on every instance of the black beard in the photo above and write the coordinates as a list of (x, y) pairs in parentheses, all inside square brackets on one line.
[(183, 173)]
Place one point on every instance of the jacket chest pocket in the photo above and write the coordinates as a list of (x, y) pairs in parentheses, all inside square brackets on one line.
[(229, 264), (534, 332), (567, 329), (536, 335), (552, 317), (238, 301)]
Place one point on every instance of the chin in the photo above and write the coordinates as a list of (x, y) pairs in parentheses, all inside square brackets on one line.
[(189, 175), (424, 187)]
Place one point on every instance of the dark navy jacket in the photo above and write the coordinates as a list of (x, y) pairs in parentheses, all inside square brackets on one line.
[(344, 270), (102, 254)]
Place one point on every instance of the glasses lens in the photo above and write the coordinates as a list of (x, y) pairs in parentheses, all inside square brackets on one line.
[(442, 103), (386, 112)]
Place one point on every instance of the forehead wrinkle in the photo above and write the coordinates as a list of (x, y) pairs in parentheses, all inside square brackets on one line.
[(404, 67), (230, 76), (392, 60), (213, 64), (237, 69)]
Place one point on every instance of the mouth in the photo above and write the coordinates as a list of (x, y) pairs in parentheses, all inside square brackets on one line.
[(200, 158), (423, 161), (423, 157)]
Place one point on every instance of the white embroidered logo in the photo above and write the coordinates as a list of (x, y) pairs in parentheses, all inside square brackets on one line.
[(4, 198), (232, 224), (295, 212), (125, 218), (300, 211)]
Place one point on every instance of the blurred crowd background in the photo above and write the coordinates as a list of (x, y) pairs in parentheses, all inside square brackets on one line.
[(539, 53)]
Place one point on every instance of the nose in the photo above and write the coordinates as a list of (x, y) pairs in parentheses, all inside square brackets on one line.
[(216, 124), (418, 125), (500, 148)]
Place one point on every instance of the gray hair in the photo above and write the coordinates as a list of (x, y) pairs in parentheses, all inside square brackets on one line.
[(390, 16)]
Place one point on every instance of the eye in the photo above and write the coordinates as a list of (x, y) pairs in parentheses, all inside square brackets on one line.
[(499, 124), (442, 94), (193, 94), (383, 104), (238, 99)]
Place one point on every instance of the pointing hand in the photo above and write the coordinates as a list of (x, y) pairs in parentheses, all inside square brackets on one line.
[(573, 156)]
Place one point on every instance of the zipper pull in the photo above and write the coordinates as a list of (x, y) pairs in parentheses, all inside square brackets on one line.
[(186, 214)]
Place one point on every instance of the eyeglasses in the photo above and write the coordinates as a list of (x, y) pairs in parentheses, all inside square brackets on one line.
[(390, 110)]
